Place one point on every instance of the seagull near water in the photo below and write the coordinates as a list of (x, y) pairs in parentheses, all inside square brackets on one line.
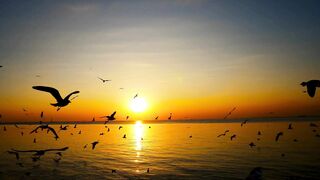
[(278, 135), (40, 152), (48, 129), (104, 80), (111, 117), (55, 93), (311, 86)]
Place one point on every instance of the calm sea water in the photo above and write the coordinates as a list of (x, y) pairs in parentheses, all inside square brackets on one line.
[(166, 149)]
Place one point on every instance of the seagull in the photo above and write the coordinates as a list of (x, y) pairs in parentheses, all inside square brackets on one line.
[(244, 122), (226, 116), (94, 144), (127, 117), (313, 125), (111, 117), (93, 119), (75, 126), (135, 96), (101, 134), (55, 93), (255, 174), (311, 86), (148, 170), (290, 126), (46, 127), (104, 80), (226, 131), (120, 127), (64, 128), (113, 171), (252, 144), (278, 135), (259, 133), (4, 128), (34, 140), (221, 135), (156, 118), (79, 132), (40, 152), (41, 115), (124, 136), (233, 136), (169, 118), (85, 146)]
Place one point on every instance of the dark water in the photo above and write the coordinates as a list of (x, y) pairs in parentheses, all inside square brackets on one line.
[(166, 149)]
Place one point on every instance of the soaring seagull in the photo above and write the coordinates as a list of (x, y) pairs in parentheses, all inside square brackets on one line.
[(104, 80), (311, 86), (55, 93), (111, 117)]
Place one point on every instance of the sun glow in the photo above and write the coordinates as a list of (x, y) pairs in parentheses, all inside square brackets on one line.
[(138, 104)]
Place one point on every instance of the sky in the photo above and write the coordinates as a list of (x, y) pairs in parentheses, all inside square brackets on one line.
[(196, 59)]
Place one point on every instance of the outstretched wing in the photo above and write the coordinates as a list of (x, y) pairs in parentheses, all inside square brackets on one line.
[(54, 92), (311, 90), (53, 131), (74, 92), (35, 130), (114, 113)]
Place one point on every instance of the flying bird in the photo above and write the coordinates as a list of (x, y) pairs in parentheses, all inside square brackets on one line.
[(252, 144), (104, 80), (124, 136), (244, 122), (259, 133), (127, 117), (135, 96), (169, 118), (232, 137), (311, 86), (120, 127), (55, 93), (290, 126), (156, 118), (46, 127), (94, 144), (41, 115), (221, 135), (111, 117), (227, 115), (278, 135), (40, 152)]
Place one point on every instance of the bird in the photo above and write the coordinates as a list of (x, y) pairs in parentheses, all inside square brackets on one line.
[(124, 136), (255, 174), (226, 131), (4, 128), (169, 118), (148, 170), (156, 118), (190, 136), (15, 125), (79, 132), (313, 125), (46, 127), (22, 133), (55, 93), (127, 117), (63, 128), (113, 171), (278, 135), (101, 134), (135, 96), (40, 152), (259, 133), (227, 115), (94, 144), (111, 117), (41, 114), (311, 86), (244, 122), (85, 146), (252, 144), (34, 140), (120, 127), (221, 135), (290, 126), (104, 80), (233, 136), (93, 119), (75, 126)]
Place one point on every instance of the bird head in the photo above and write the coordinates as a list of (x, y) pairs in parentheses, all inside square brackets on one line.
[(303, 84)]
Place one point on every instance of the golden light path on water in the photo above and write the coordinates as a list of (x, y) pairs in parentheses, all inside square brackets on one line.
[(138, 131)]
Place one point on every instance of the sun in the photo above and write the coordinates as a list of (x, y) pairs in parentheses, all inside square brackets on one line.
[(138, 104)]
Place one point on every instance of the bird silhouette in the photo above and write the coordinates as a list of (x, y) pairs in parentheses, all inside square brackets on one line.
[(75, 126), (120, 127), (244, 122), (85, 146), (55, 93), (259, 133), (127, 117), (40, 152), (156, 118), (111, 117), (252, 144), (46, 127), (232, 137), (94, 144), (79, 132), (278, 135), (15, 153), (63, 128), (124, 136), (169, 118), (228, 114), (313, 125), (135, 96), (311, 86), (34, 140), (104, 80), (290, 126), (148, 170), (41, 115), (221, 135)]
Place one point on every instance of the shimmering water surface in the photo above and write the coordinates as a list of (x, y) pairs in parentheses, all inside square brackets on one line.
[(166, 149)]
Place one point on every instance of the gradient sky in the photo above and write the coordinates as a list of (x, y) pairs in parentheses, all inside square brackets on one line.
[(196, 59)]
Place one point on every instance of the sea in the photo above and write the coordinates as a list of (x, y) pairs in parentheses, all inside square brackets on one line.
[(163, 150)]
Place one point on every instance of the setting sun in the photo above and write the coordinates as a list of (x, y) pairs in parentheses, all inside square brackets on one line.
[(138, 104)]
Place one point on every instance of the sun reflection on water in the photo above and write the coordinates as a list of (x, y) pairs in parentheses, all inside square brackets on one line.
[(138, 130)]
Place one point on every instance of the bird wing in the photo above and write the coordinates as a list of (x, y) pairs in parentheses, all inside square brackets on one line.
[(61, 149), (114, 113), (54, 92), (53, 131), (311, 90), (74, 92), (35, 129)]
